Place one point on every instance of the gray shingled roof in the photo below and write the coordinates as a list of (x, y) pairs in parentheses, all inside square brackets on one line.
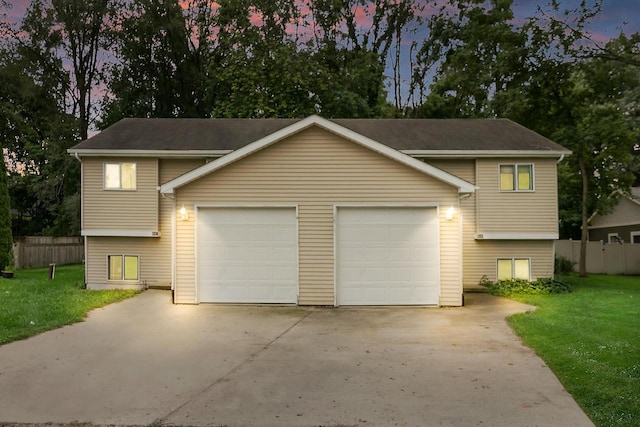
[(400, 134)]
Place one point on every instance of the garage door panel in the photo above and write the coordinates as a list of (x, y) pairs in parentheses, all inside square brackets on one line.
[(247, 255), (387, 256)]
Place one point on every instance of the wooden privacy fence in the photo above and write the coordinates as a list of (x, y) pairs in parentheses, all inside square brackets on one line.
[(607, 258), (33, 252)]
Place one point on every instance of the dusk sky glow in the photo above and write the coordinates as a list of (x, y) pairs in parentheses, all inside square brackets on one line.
[(616, 15)]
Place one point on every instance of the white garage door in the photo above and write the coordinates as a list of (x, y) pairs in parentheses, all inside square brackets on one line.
[(247, 255), (387, 256)]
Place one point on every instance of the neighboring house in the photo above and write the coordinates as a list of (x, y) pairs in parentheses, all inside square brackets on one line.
[(622, 224), (315, 211)]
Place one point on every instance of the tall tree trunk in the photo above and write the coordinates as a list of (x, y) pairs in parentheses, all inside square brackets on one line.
[(585, 218)]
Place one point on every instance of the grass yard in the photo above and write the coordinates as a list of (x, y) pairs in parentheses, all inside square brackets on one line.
[(590, 338), (30, 303)]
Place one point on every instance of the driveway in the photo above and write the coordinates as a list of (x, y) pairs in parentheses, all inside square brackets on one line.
[(145, 360)]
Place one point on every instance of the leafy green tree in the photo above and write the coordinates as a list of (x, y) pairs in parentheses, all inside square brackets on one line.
[(73, 32), (602, 138), (476, 53), (259, 69), (350, 57), (54, 59), (6, 238), (163, 53), (37, 132)]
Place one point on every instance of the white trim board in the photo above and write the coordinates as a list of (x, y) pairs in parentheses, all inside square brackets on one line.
[(120, 233), (517, 236), (474, 154), (172, 154)]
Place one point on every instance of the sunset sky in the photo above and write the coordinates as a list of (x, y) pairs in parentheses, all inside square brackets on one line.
[(616, 16)]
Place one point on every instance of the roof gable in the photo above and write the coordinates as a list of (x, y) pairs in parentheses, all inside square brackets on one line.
[(625, 212), (266, 141)]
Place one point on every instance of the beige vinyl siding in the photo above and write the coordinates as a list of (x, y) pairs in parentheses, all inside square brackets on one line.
[(624, 213), (462, 168), (481, 260), (120, 209), (316, 171), (516, 212), (155, 253), (154, 266), (173, 168), (316, 230)]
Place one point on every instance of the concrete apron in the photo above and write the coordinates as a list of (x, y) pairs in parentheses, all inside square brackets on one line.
[(145, 360)]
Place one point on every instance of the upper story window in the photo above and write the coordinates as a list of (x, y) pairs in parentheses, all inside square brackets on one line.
[(120, 176), (516, 177)]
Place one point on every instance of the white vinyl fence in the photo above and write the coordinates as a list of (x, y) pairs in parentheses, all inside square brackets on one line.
[(606, 258)]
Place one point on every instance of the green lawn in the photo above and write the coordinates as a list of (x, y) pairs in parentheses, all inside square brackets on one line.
[(590, 338), (30, 303)]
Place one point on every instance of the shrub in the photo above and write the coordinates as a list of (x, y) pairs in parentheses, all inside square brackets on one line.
[(537, 287), (563, 265)]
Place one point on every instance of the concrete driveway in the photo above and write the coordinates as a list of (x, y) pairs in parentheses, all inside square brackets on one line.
[(145, 360)]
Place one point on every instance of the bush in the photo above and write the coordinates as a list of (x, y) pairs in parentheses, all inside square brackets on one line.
[(563, 265), (520, 286)]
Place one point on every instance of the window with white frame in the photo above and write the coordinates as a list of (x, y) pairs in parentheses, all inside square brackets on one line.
[(514, 268), (120, 176), (123, 267), (635, 237), (516, 177), (613, 238)]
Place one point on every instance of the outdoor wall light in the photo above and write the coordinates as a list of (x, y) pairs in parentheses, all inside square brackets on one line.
[(450, 213), (184, 215)]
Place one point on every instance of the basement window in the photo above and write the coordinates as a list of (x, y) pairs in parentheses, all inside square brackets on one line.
[(123, 267), (514, 268)]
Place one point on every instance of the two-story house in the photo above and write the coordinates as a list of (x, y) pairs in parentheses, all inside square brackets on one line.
[(316, 211)]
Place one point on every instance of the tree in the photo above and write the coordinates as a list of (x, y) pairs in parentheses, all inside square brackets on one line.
[(258, 68), (74, 32), (351, 57), (163, 54), (36, 133), (6, 238), (602, 138), (53, 61), (477, 54)]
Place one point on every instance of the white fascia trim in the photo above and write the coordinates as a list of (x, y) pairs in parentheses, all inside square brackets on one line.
[(85, 152), (120, 233), (483, 153), (517, 236), (623, 224), (463, 186)]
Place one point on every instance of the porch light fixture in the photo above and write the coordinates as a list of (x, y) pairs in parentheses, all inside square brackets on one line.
[(184, 215), (450, 213)]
